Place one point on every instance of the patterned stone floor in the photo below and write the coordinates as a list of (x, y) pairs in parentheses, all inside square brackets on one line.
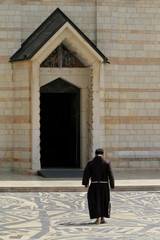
[(25, 216)]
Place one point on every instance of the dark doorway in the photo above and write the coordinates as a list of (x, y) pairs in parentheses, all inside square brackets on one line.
[(60, 125)]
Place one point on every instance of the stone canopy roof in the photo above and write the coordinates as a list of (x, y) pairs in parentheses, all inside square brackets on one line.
[(44, 32)]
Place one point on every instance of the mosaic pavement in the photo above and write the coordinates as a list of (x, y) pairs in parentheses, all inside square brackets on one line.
[(135, 215)]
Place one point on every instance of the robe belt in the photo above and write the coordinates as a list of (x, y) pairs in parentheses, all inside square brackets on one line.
[(99, 182)]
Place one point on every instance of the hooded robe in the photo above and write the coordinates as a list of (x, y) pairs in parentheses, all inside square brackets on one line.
[(100, 171)]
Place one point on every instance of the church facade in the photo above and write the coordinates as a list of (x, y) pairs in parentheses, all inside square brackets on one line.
[(78, 75)]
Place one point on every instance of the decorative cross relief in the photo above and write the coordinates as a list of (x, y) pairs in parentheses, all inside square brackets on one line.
[(61, 57)]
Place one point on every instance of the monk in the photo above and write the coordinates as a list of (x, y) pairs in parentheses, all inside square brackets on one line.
[(100, 171)]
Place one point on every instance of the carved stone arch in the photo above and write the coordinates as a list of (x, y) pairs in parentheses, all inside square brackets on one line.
[(59, 85), (77, 78)]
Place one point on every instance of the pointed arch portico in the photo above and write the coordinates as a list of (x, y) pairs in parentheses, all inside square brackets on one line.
[(87, 79), (92, 85)]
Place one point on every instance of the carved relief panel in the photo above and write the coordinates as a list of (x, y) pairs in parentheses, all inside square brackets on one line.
[(62, 57)]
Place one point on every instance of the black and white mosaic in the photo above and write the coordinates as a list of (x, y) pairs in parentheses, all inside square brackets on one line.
[(64, 216)]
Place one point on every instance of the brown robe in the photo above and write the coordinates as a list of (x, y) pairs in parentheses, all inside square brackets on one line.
[(100, 172)]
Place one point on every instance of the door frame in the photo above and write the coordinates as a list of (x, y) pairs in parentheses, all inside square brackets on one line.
[(89, 108)]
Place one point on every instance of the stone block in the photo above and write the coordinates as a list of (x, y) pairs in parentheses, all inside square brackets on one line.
[(145, 164), (134, 164)]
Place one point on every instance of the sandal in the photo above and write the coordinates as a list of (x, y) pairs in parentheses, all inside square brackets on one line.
[(103, 221), (97, 222)]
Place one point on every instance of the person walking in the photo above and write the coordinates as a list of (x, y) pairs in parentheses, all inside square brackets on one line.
[(101, 174)]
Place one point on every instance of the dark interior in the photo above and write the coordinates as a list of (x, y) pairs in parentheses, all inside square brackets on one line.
[(59, 121)]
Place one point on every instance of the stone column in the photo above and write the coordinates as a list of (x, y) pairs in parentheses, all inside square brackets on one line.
[(35, 109), (94, 109)]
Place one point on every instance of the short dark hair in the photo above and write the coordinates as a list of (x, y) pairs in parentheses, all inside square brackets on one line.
[(99, 151)]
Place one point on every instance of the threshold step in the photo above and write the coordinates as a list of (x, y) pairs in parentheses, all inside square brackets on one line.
[(61, 173)]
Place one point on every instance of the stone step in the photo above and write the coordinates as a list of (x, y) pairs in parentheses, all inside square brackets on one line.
[(75, 189), (124, 181), (61, 173)]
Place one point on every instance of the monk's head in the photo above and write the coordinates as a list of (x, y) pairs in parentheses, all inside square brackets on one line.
[(99, 152)]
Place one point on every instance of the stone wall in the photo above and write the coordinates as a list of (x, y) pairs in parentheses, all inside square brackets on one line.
[(10, 40), (128, 33), (22, 115)]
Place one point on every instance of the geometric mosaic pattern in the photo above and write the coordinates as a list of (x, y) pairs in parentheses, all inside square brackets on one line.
[(64, 216)]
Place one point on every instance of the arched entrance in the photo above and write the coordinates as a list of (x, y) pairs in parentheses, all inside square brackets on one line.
[(58, 30), (59, 125)]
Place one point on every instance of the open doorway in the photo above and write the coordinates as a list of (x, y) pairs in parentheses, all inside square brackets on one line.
[(60, 125)]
